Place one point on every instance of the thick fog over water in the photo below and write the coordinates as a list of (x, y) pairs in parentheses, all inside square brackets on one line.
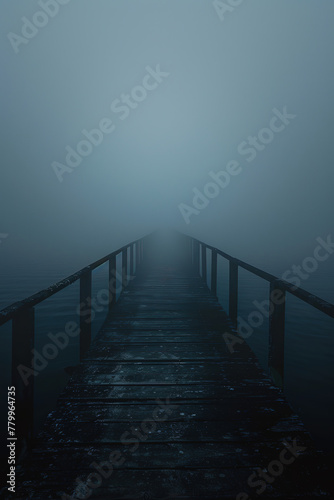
[(119, 117), (212, 117)]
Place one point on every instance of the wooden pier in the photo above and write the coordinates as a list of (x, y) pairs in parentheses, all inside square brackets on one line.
[(160, 408)]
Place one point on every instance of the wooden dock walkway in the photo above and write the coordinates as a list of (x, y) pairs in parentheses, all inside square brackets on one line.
[(160, 409)]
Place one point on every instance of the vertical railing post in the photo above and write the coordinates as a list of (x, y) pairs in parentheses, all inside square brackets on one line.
[(214, 271), (196, 256), (277, 300), (85, 320), (124, 267), (112, 281), (204, 262), (233, 291), (23, 329), (131, 261), (137, 256)]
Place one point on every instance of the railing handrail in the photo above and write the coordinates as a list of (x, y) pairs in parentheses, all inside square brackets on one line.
[(22, 314), (10, 311), (276, 310), (311, 299)]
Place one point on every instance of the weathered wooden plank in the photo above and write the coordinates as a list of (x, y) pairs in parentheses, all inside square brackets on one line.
[(175, 372), (163, 391), (142, 337), (174, 455), (180, 484), (256, 409), (151, 430), (133, 352)]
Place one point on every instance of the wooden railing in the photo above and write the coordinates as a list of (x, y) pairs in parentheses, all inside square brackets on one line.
[(22, 315), (278, 288)]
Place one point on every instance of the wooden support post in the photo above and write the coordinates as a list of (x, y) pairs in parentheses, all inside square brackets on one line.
[(112, 281), (23, 329), (124, 267), (204, 262), (196, 256), (137, 256), (233, 291), (214, 271), (131, 261), (277, 300), (86, 320)]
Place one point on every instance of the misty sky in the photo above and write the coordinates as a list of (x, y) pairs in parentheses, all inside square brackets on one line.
[(221, 80)]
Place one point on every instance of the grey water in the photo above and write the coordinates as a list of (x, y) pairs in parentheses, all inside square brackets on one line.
[(309, 342)]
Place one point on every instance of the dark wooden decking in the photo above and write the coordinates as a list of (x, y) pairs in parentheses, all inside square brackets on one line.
[(162, 348)]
